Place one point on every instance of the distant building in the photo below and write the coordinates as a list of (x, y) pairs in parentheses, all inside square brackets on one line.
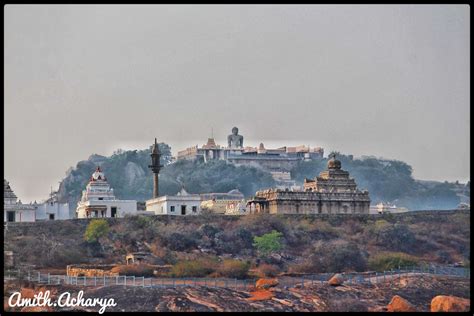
[(236, 208), (51, 209), (182, 203), (98, 200), (13, 209), (384, 208), (333, 192), (220, 202), (276, 161)]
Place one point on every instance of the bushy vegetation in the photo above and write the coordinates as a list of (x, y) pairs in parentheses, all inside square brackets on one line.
[(193, 268), (391, 260), (231, 268), (337, 256), (268, 243), (266, 270), (97, 229), (138, 270), (222, 245)]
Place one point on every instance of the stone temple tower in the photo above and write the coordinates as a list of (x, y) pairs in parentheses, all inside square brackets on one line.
[(155, 168)]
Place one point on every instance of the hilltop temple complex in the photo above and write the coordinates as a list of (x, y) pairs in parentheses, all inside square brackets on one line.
[(278, 162), (332, 192)]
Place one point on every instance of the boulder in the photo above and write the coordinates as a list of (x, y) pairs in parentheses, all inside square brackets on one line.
[(444, 303), (261, 295), (399, 304), (336, 280), (264, 284)]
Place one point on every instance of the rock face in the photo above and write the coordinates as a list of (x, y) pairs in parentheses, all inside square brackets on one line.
[(318, 297), (133, 172), (443, 303), (399, 304), (264, 284), (261, 295), (336, 280)]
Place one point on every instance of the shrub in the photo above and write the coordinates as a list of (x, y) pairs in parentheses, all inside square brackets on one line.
[(232, 268), (96, 229), (209, 230), (338, 256), (391, 260), (267, 270), (268, 243), (193, 268), (396, 237), (180, 242), (134, 269)]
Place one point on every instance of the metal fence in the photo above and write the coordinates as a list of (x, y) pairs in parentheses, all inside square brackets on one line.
[(392, 277)]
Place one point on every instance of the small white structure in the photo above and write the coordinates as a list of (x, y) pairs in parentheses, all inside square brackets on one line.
[(98, 200), (182, 203), (13, 209), (51, 209), (383, 208)]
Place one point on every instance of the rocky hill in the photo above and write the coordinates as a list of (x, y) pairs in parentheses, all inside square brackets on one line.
[(129, 175)]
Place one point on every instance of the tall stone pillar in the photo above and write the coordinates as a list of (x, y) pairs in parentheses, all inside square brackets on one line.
[(155, 185), (155, 168)]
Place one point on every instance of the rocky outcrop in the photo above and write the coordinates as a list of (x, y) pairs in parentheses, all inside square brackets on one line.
[(264, 284), (444, 303), (336, 280), (318, 297), (133, 172), (261, 295), (399, 304)]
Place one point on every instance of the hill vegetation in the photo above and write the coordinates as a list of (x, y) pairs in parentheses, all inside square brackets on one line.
[(129, 175), (290, 243)]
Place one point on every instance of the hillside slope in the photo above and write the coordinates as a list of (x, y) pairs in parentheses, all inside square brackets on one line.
[(309, 244)]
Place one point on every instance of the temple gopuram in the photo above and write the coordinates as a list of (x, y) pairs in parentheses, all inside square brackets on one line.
[(332, 192)]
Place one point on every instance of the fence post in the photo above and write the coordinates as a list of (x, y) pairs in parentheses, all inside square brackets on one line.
[(104, 279), (143, 281), (133, 280)]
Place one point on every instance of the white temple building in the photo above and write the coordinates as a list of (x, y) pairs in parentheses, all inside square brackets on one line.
[(182, 203), (52, 209), (98, 200), (13, 209)]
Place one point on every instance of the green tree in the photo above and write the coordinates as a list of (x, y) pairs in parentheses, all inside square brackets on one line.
[(96, 229), (268, 243)]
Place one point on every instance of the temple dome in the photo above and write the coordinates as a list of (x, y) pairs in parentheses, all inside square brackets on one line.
[(333, 163), (98, 175)]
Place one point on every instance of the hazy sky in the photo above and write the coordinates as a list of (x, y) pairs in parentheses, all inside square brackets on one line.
[(389, 81)]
